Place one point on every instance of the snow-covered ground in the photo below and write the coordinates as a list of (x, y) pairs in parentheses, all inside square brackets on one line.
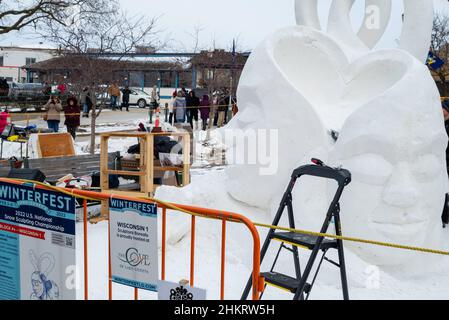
[(365, 281)]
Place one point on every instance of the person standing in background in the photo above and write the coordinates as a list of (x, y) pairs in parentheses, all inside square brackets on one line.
[(46, 90), (114, 93), (187, 97), (72, 116), (213, 110), (125, 101), (62, 88), (445, 106), (180, 107), (53, 115), (154, 103), (223, 105), (5, 119), (171, 109), (85, 102), (205, 111), (194, 102)]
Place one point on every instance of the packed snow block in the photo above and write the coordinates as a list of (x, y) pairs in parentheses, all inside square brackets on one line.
[(55, 145), (390, 137)]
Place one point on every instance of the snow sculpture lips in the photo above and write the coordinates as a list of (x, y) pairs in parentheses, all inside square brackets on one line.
[(385, 106)]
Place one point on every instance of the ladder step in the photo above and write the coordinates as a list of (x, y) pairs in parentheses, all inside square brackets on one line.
[(304, 240), (281, 280), (284, 282)]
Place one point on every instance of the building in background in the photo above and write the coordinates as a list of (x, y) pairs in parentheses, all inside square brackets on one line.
[(14, 59), (145, 68), (218, 70), (140, 71)]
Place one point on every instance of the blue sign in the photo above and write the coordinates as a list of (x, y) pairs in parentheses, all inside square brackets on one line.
[(37, 243)]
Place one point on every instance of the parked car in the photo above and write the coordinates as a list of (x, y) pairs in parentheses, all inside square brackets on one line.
[(137, 97), (28, 95)]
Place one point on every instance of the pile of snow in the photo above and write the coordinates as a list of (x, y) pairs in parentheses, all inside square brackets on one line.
[(365, 281)]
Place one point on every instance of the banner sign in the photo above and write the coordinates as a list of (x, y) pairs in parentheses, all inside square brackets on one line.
[(133, 235), (175, 291), (37, 244)]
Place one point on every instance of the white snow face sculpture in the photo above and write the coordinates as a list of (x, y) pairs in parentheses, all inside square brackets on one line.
[(385, 104), (395, 149)]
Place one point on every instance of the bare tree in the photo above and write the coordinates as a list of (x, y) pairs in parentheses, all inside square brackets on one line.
[(440, 46), (92, 38), (16, 15)]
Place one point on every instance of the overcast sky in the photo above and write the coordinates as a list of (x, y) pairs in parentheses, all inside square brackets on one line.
[(248, 20), (222, 20)]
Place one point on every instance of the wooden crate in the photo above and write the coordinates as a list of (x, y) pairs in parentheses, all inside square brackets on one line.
[(55, 145)]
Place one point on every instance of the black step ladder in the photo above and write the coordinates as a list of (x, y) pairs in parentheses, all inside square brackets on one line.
[(298, 285)]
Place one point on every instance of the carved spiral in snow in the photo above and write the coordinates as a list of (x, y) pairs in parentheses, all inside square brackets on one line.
[(416, 32)]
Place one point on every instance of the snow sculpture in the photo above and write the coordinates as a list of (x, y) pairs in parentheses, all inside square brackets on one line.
[(385, 106)]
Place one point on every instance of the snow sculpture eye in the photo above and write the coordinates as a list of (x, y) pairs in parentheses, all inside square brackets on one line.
[(370, 168), (427, 167)]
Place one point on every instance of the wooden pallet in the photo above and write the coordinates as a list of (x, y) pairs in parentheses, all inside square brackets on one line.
[(56, 168)]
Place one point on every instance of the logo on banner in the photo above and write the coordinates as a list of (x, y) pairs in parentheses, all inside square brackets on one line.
[(180, 293), (135, 259)]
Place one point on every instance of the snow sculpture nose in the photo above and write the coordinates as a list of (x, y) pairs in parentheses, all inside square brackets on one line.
[(400, 191)]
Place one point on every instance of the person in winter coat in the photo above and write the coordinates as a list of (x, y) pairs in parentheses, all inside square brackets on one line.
[(72, 116), (86, 102), (4, 88), (188, 103), (5, 119), (194, 103), (171, 109), (53, 115), (154, 103), (114, 92), (222, 110), (445, 106), (62, 89), (125, 99), (205, 110), (180, 107)]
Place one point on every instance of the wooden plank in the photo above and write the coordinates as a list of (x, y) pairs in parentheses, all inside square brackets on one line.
[(175, 169), (125, 173), (104, 163), (186, 160), (142, 164), (150, 164), (125, 193), (141, 134)]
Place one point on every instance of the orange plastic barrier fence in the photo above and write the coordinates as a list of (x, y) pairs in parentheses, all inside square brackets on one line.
[(224, 217)]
